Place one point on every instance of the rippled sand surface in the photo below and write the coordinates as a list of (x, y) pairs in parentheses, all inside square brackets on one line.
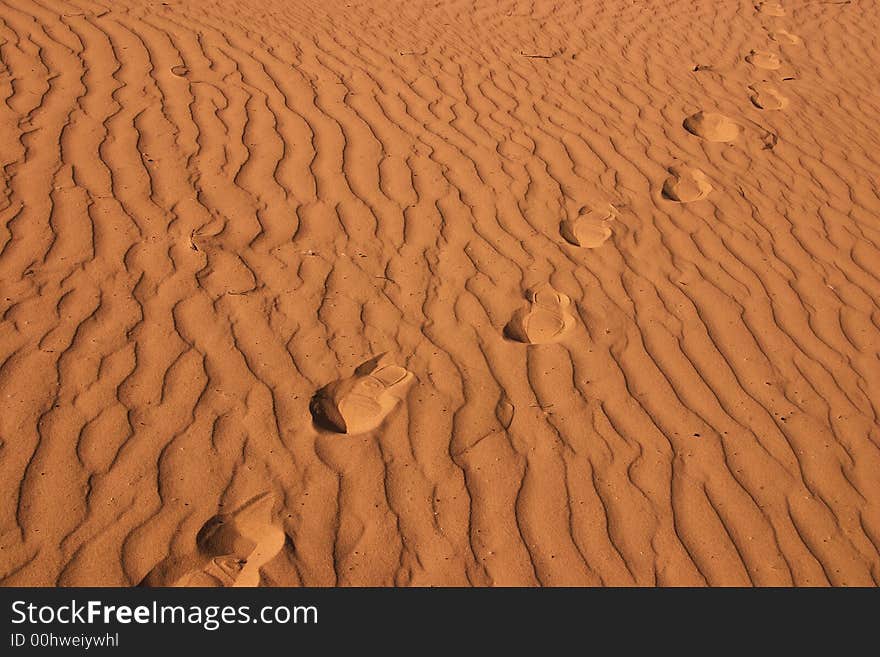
[(439, 293)]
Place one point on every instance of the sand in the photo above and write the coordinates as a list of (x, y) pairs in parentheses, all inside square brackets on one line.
[(439, 293)]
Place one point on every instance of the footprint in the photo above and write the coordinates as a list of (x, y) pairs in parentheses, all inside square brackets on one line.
[(180, 71), (782, 36), (764, 59), (546, 319), (361, 402), (590, 229), (686, 185), (712, 127), (765, 97), (770, 8), (230, 550)]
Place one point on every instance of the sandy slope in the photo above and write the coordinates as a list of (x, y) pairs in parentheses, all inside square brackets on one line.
[(210, 212)]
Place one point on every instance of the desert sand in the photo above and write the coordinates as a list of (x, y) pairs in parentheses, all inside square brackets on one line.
[(440, 293)]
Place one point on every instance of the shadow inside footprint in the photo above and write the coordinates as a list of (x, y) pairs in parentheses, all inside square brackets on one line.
[(766, 97), (686, 185), (770, 9), (546, 319), (783, 36), (763, 59), (230, 550), (712, 127), (591, 228), (360, 403)]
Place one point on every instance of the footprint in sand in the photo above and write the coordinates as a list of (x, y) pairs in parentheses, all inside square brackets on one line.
[(712, 127), (591, 228), (180, 71), (766, 97), (770, 8), (361, 403), (781, 36), (764, 59), (686, 185), (546, 319), (230, 550)]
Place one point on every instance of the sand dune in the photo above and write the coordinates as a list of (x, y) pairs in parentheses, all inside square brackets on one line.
[(213, 211)]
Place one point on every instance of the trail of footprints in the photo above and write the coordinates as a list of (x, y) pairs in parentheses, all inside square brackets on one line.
[(232, 546), (361, 403), (591, 228), (547, 319), (689, 185)]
